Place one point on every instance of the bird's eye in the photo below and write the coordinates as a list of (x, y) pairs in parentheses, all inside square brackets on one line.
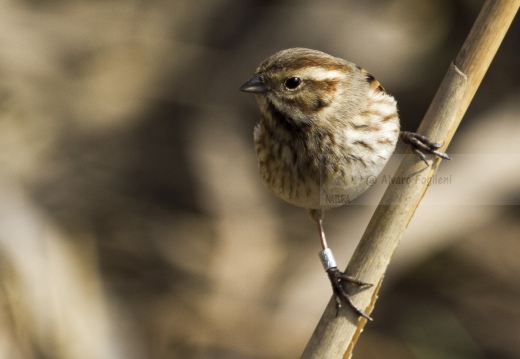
[(292, 82)]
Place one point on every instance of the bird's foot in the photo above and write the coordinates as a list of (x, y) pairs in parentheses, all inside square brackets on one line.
[(336, 279), (421, 144)]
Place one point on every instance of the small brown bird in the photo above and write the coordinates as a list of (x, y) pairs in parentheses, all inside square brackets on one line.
[(327, 129)]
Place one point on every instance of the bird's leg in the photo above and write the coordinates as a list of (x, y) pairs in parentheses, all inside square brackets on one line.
[(421, 143), (336, 277)]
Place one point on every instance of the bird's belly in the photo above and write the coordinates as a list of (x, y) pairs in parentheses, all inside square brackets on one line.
[(319, 185), (321, 174)]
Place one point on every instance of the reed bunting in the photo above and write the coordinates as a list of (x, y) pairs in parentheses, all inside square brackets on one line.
[(327, 129)]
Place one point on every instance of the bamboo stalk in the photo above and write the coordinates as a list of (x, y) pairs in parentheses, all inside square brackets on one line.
[(335, 337)]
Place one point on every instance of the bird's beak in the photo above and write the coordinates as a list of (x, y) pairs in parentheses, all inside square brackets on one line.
[(254, 85)]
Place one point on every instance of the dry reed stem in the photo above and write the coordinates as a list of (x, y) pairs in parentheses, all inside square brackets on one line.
[(335, 337)]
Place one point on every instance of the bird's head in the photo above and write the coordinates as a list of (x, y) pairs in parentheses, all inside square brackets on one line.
[(303, 84)]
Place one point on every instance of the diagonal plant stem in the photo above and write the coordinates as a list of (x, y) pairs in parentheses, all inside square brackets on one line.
[(335, 337)]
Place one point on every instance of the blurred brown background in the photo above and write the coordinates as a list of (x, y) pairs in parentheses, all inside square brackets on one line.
[(133, 223)]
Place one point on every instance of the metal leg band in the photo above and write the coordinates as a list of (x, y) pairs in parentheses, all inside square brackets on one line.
[(327, 259)]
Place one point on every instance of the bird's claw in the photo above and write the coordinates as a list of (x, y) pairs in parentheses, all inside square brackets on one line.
[(421, 143), (336, 279)]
